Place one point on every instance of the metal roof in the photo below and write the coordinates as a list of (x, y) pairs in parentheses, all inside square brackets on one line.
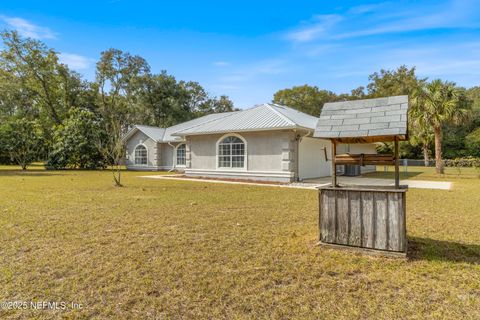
[(267, 116), (154, 133), (381, 117), (165, 134), (168, 137)]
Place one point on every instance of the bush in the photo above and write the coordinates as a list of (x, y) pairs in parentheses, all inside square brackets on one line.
[(76, 142), (21, 141), (472, 141), (5, 157), (466, 162)]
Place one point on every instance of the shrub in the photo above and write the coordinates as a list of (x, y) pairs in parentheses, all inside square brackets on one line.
[(21, 141), (466, 162), (76, 142), (472, 141)]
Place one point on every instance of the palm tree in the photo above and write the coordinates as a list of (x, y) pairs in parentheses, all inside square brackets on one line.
[(434, 105), (422, 136)]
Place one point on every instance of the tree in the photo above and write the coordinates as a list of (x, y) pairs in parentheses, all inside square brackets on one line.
[(15, 99), (35, 85), (113, 149), (472, 142), (51, 87), (474, 94), (422, 136), (164, 101), (118, 78), (222, 104), (358, 93), (118, 75), (197, 98), (305, 98), (436, 104), (22, 140), (402, 81), (201, 103), (75, 142)]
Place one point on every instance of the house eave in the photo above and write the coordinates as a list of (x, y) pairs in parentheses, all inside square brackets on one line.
[(179, 134)]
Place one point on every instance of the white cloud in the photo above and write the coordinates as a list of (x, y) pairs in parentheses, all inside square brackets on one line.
[(439, 59), (28, 29), (387, 18), (225, 87), (428, 22), (318, 27), (366, 8), (75, 61), (250, 72), (221, 63)]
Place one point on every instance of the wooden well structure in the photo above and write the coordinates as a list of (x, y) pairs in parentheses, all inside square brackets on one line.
[(371, 218)]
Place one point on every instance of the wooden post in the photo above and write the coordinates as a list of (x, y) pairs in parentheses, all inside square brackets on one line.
[(334, 167), (397, 162)]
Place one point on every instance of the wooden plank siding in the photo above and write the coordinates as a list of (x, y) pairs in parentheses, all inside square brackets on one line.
[(368, 218)]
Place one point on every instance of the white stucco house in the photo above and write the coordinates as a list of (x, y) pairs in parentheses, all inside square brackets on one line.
[(267, 142)]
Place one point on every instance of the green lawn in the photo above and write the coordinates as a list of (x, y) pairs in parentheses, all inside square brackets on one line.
[(423, 173), (179, 249)]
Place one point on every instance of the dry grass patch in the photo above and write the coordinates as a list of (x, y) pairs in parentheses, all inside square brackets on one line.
[(186, 249)]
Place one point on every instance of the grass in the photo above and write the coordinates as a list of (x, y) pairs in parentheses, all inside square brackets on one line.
[(180, 249), (426, 173)]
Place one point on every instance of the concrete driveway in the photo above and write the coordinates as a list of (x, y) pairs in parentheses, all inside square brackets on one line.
[(319, 182), (419, 184)]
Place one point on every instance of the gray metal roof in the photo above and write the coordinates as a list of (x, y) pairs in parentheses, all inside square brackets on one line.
[(165, 134), (154, 133), (168, 137), (267, 116), (379, 117)]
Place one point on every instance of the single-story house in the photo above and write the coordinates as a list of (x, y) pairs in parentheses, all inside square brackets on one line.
[(267, 142)]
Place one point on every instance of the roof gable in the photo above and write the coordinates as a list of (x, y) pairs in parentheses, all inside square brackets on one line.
[(154, 133)]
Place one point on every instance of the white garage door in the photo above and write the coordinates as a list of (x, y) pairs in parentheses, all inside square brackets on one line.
[(311, 162)]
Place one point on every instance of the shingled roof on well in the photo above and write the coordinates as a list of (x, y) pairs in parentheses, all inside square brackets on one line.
[(363, 118)]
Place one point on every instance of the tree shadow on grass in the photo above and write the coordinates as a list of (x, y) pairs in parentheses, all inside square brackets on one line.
[(40, 172), (29, 173), (438, 250)]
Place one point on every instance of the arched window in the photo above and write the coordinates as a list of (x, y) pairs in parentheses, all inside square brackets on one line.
[(181, 155), (231, 152), (141, 155)]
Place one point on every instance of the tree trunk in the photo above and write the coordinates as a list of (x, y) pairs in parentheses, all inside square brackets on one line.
[(426, 158), (117, 176), (438, 150)]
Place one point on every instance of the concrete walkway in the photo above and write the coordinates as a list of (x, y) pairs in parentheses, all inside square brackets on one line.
[(418, 184), (320, 182)]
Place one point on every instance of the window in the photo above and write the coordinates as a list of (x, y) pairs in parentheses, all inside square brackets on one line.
[(231, 153), (141, 155), (181, 155)]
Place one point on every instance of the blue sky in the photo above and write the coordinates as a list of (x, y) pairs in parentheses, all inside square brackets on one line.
[(250, 49)]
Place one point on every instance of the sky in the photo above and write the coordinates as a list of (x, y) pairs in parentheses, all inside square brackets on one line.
[(250, 49)]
